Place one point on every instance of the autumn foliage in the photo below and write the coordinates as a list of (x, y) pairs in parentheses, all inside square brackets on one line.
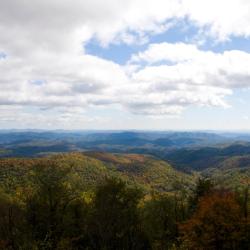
[(46, 205), (217, 224)]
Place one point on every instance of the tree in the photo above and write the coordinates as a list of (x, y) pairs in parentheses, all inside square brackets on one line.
[(12, 222), (47, 205), (203, 187), (217, 224), (115, 219), (161, 215)]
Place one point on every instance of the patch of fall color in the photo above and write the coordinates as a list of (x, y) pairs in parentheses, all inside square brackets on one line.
[(118, 158), (122, 202), (108, 157), (17, 162), (217, 224)]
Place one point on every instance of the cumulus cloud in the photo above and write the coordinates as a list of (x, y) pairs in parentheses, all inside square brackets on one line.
[(220, 19), (65, 24), (43, 62), (182, 75), (186, 63)]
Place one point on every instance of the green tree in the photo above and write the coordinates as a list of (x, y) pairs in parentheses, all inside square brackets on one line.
[(12, 223), (48, 204), (203, 187), (115, 219), (161, 216)]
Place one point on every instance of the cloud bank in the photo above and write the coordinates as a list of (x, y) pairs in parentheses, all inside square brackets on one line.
[(44, 64)]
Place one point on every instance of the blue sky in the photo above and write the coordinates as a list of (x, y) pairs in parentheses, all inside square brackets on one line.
[(121, 53), (157, 65)]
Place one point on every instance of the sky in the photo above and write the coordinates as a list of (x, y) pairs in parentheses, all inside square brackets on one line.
[(125, 64)]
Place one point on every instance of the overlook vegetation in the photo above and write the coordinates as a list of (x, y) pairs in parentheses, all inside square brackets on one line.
[(77, 201), (116, 201), (146, 192), (91, 168)]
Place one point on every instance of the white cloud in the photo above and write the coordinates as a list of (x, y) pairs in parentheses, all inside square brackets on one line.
[(181, 74), (220, 19), (64, 24), (190, 64), (46, 66)]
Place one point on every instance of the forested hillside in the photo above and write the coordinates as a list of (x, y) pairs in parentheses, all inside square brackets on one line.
[(146, 192), (91, 168), (119, 202)]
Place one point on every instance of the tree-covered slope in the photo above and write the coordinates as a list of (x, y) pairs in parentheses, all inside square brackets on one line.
[(90, 169), (210, 157), (146, 170)]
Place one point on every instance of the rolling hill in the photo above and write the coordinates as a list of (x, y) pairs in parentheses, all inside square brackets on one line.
[(88, 169), (199, 159), (32, 144), (153, 160)]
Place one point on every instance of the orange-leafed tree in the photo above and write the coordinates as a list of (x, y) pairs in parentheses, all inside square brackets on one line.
[(217, 224)]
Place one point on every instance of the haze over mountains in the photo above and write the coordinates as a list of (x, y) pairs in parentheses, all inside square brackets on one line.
[(224, 156), (32, 143)]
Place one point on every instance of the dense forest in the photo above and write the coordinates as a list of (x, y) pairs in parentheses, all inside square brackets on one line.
[(113, 201)]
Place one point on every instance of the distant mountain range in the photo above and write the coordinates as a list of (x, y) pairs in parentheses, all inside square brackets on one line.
[(154, 160), (215, 154), (33, 143)]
